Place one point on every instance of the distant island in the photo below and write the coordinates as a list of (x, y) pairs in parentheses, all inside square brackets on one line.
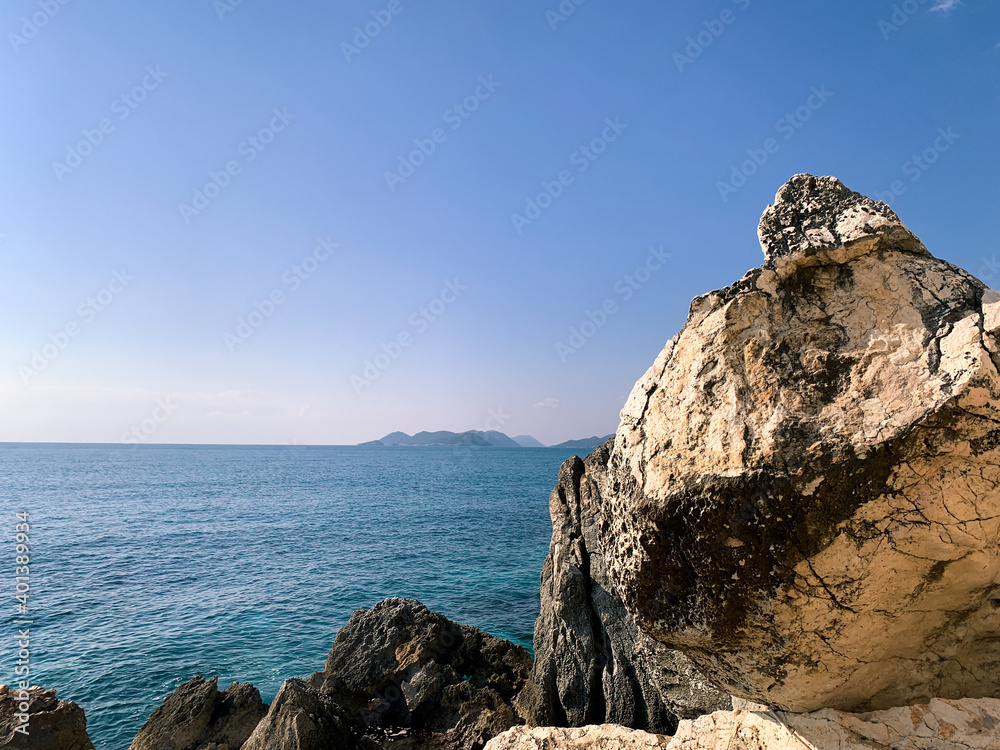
[(478, 438)]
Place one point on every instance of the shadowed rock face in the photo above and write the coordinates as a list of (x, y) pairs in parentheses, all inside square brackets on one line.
[(399, 666), (803, 492), (197, 716), (592, 664), (52, 724), (398, 676), (302, 718)]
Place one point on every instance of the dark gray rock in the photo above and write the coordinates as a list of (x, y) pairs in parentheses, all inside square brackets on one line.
[(52, 724), (197, 716), (592, 664), (303, 718), (398, 676), (399, 666)]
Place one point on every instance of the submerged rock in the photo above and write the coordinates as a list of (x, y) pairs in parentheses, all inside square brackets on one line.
[(803, 492), (197, 716), (592, 664), (52, 724)]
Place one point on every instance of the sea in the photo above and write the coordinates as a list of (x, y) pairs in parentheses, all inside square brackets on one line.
[(151, 564)]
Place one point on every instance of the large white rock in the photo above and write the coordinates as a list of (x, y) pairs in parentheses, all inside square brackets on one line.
[(804, 492), (590, 737), (972, 724), (941, 725)]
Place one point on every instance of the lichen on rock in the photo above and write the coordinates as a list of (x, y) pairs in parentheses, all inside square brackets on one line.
[(592, 663), (804, 492)]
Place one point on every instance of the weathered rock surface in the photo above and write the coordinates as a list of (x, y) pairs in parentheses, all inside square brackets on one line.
[(592, 664), (302, 718), (941, 725), (803, 492), (52, 724), (400, 666), (398, 676), (197, 716), (590, 737)]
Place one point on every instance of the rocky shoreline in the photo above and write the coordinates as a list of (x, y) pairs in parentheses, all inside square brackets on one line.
[(793, 540)]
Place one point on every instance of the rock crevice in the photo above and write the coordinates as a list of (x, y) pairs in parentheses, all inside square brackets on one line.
[(592, 664)]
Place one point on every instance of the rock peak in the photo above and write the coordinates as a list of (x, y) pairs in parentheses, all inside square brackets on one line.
[(819, 218)]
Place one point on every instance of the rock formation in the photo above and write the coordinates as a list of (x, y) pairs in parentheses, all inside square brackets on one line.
[(302, 718), (592, 664), (590, 737), (803, 492), (941, 725), (52, 724), (398, 676), (197, 716), (401, 666)]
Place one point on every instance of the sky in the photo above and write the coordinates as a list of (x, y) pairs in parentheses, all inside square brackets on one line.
[(317, 223)]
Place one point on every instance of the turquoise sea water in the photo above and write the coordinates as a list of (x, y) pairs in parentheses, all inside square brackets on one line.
[(151, 564)]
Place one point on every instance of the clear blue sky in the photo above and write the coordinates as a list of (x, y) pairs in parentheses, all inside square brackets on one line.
[(866, 93)]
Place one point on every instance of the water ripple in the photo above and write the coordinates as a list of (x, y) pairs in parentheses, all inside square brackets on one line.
[(156, 563)]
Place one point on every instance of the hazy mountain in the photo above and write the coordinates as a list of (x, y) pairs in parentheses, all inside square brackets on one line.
[(500, 440), (526, 441), (584, 446), (491, 438)]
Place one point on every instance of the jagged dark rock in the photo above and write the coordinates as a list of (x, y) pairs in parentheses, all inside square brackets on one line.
[(398, 676), (197, 716), (804, 492), (399, 666), (592, 664), (52, 724), (303, 718)]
